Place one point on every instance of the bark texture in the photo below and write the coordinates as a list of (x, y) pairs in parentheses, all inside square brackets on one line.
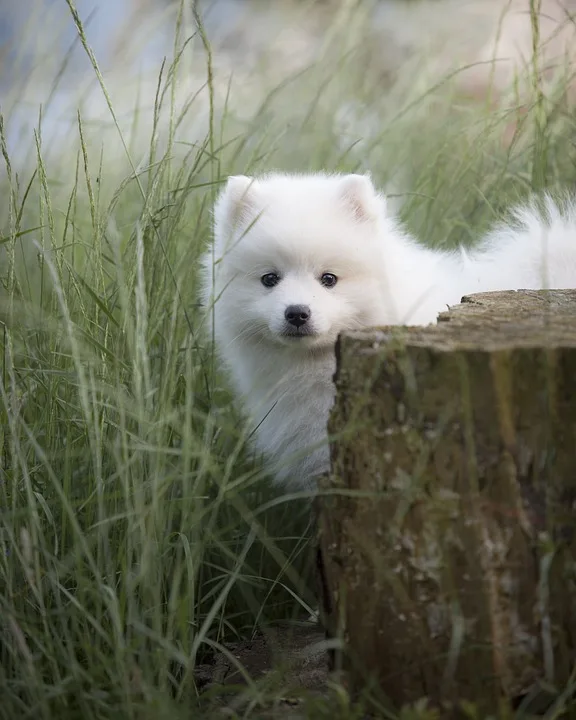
[(447, 530)]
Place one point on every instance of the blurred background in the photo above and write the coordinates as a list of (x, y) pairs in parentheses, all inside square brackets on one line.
[(368, 49)]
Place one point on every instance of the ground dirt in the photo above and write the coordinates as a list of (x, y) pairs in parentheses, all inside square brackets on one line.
[(288, 663)]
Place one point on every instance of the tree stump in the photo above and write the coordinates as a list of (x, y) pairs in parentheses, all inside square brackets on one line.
[(447, 524)]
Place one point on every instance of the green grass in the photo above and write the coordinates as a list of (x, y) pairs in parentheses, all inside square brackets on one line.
[(137, 532)]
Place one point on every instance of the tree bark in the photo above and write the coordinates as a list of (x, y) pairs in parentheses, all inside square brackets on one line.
[(447, 527)]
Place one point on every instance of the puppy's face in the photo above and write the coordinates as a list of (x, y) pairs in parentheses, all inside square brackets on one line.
[(298, 258)]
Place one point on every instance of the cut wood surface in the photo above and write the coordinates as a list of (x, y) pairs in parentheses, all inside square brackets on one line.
[(447, 529)]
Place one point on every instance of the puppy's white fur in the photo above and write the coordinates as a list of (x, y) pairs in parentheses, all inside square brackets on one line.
[(303, 226)]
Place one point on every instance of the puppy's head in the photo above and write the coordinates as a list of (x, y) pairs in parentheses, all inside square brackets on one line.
[(297, 257)]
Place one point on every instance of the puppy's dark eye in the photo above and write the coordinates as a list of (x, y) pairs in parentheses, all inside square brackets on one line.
[(270, 279), (328, 280)]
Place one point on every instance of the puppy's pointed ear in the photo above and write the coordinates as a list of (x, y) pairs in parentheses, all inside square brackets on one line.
[(233, 202), (360, 197)]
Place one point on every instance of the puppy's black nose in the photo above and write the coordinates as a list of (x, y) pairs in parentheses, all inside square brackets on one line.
[(297, 315)]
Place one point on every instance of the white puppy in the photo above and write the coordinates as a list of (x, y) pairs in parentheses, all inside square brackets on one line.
[(297, 259)]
